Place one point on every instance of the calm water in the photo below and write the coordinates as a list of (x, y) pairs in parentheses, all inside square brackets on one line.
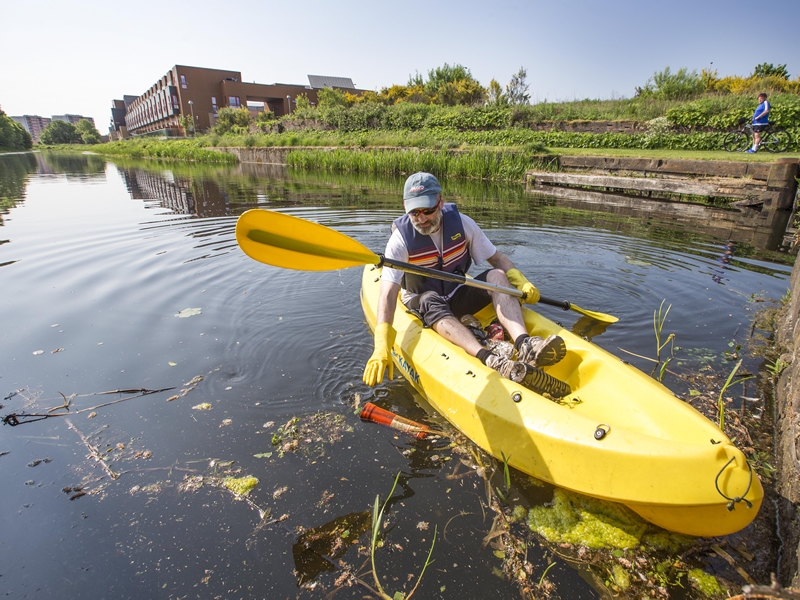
[(97, 262)]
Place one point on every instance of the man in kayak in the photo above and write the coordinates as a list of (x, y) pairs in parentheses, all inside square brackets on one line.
[(436, 235)]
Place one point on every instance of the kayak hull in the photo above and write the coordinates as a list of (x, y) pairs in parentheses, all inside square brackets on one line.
[(653, 452)]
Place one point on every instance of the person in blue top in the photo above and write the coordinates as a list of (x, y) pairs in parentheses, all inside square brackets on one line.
[(760, 121), (434, 234)]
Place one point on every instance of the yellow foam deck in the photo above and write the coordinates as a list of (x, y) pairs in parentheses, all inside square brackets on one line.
[(660, 457)]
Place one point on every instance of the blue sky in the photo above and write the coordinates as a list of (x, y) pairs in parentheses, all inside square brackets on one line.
[(75, 57)]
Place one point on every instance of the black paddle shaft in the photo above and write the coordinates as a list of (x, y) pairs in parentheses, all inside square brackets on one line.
[(456, 278)]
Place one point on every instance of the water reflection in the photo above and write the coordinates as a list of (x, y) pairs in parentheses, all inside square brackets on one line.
[(724, 261), (101, 260), (14, 172)]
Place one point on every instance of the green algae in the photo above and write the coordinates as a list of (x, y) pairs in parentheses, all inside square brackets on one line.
[(596, 524), (241, 486), (519, 514), (706, 584), (581, 520), (621, 577)]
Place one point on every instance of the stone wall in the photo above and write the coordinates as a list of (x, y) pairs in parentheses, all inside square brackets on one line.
[(787, 434)]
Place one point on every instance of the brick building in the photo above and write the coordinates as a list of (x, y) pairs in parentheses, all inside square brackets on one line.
[(200, 93), (33, 124)]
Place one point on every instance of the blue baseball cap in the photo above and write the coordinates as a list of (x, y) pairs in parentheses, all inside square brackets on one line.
[(421, 191)]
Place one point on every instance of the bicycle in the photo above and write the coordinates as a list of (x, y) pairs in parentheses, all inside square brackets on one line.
[(773, 139)]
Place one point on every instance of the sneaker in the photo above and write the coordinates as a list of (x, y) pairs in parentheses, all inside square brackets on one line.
[(501, 348), (542, 353), (510, 369), (543, 383), (751, 151)]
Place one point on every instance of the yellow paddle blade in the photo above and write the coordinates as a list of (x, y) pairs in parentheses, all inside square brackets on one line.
[(595, 315), (285, 241)]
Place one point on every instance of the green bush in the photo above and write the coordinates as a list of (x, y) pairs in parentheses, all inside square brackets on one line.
[(12, 135), (228, 118), (60, 132)]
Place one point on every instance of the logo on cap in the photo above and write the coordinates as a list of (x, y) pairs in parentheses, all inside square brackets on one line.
[(417, 188)]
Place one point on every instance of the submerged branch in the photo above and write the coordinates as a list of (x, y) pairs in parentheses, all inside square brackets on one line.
[(15, 419)]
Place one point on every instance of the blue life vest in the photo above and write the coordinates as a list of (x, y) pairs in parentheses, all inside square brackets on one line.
[(422, 252)]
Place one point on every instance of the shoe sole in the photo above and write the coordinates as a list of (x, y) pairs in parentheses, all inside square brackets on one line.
[(542, 383), (554, 351)]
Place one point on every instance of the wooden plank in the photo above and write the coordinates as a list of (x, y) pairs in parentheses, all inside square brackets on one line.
[(727, 188)]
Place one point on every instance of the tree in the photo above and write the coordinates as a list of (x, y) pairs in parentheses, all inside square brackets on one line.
[(87, 132), (465, 92), (185, 121), (448, 85), (60, 132), (496, 95), (667, 85), (770, 70), (329, 97), (228, 118), (443, 75), (12, 135), (517, 88)]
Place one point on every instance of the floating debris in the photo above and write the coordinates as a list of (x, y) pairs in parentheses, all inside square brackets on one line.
[(190, 385), (241, 486), (188, 312), (310, 434), (202, 406)]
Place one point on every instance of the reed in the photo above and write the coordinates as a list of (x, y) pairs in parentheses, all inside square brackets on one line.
[(728, 383), (377, 524), (183, 149), (491, 165)]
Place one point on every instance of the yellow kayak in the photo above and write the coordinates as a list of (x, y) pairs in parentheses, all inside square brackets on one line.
[(620, 435)]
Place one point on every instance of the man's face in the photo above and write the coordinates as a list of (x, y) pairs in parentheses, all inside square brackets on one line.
[(427, 224)]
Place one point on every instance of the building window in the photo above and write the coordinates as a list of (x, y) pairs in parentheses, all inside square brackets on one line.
[(183, 82), (233, 102), (214, 104)]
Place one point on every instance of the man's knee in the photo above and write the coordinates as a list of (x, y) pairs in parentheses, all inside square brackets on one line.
[(497, 277), (433, 308)]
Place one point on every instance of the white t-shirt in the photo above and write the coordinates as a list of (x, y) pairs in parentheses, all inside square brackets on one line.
[(478, 245)]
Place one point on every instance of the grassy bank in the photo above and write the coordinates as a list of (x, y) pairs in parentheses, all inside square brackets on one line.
[(492, 165), (175, 149)]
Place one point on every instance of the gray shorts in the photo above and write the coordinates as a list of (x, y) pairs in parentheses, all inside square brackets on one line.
[(466, 301)]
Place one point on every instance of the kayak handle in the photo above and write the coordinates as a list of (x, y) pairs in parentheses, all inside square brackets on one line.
[(562, 304)]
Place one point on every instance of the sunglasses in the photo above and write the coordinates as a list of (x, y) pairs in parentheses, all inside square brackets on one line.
[(426, 211)]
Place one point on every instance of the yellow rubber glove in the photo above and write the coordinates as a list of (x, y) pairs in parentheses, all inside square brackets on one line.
[(519, 281), (382, 356)]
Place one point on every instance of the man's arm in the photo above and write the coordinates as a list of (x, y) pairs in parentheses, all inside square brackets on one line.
[(500, 261), (381, 359), (387, 301), (515, 277)]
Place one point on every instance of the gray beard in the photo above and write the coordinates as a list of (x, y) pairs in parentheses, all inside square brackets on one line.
[(430, 228)]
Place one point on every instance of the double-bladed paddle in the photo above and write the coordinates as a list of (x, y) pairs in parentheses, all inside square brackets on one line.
[(289, 242)]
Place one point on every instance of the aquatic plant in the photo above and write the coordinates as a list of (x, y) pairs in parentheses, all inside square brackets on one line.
[(377, 523), (728, 383), (659, 318)]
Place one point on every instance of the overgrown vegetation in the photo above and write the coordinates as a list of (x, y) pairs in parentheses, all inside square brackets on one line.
[(447, 109), (61, 132), (12, 135)]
